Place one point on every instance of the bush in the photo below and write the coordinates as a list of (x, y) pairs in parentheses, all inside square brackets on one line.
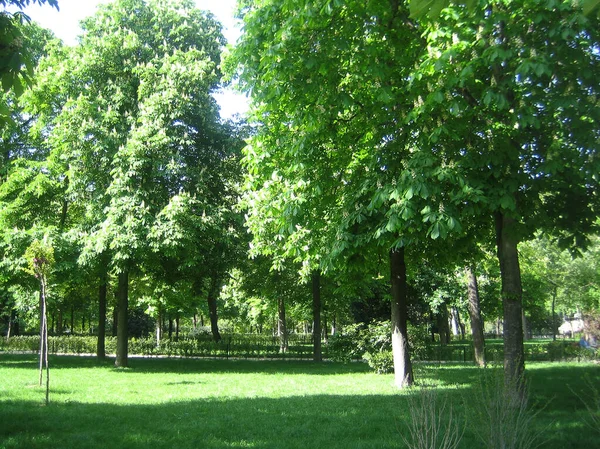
[(373, 343)]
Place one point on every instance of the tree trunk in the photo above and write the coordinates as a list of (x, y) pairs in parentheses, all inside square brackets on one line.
[(115, 319), (510, 272), (60, 324), (72, 320), (281, 326), (13, 324), (176, 327), (402, 365), (316, 296), (213, 293), (43, 332), (101, 344), (554, 323), (159, 326), (475, 317), (443, 326), (170, 328), (525, 325), (122, 305), (455, 321)]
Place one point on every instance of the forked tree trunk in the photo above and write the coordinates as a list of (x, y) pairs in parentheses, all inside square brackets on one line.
[(212, 308), (508, 256), (281, 326), (402, 364), (316, 295), (122, 306), (101, 344), (475, 317)]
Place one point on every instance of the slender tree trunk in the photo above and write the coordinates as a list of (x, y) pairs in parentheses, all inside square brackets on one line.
[(101, 344), (122, 334), (195, 320), (316, 296), (72, 320), (158, 328), (176, 327), (508, 256), (213, 293), (281, 325), (443, 326), (475, 316), (554, 329), (402, 364), (455, 321), (170, 328), (46, 339), (43, 332), (60, 324), (526, 330), (13, 325), (115, 320)]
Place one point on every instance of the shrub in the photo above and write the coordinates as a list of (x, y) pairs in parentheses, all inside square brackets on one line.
[(432, 423), (501, 415)]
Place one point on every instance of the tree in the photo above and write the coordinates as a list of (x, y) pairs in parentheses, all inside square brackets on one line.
[(410, 129), (124, 113), (40, 259), (17, 52)]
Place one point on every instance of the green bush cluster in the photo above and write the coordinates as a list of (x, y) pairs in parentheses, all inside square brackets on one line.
[(373, 343)]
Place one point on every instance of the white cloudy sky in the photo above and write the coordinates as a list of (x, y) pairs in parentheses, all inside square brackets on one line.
[(65, 24)]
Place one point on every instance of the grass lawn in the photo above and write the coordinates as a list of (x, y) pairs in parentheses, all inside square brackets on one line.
[(193, 403)]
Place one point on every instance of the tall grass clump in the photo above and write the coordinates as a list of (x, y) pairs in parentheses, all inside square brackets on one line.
[(432, 423), (501, 414), (592, 404)]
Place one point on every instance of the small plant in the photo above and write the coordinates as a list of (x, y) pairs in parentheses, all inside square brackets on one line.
[(592, 404), (432, 423), (502, 416)]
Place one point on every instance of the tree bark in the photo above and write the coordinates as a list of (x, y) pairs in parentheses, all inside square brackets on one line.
[(212, 308), (159, 326), (122, 305), (455, 321), (402, 365), (475, 317), (101, 344), (316, 296), (443, 326), (526, 330), (512, 295), (281, 326), (554, 328)]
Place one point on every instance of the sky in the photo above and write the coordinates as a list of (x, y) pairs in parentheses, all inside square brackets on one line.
[(65, 24)]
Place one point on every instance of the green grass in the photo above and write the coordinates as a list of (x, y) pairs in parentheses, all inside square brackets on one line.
[(192, 403)]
